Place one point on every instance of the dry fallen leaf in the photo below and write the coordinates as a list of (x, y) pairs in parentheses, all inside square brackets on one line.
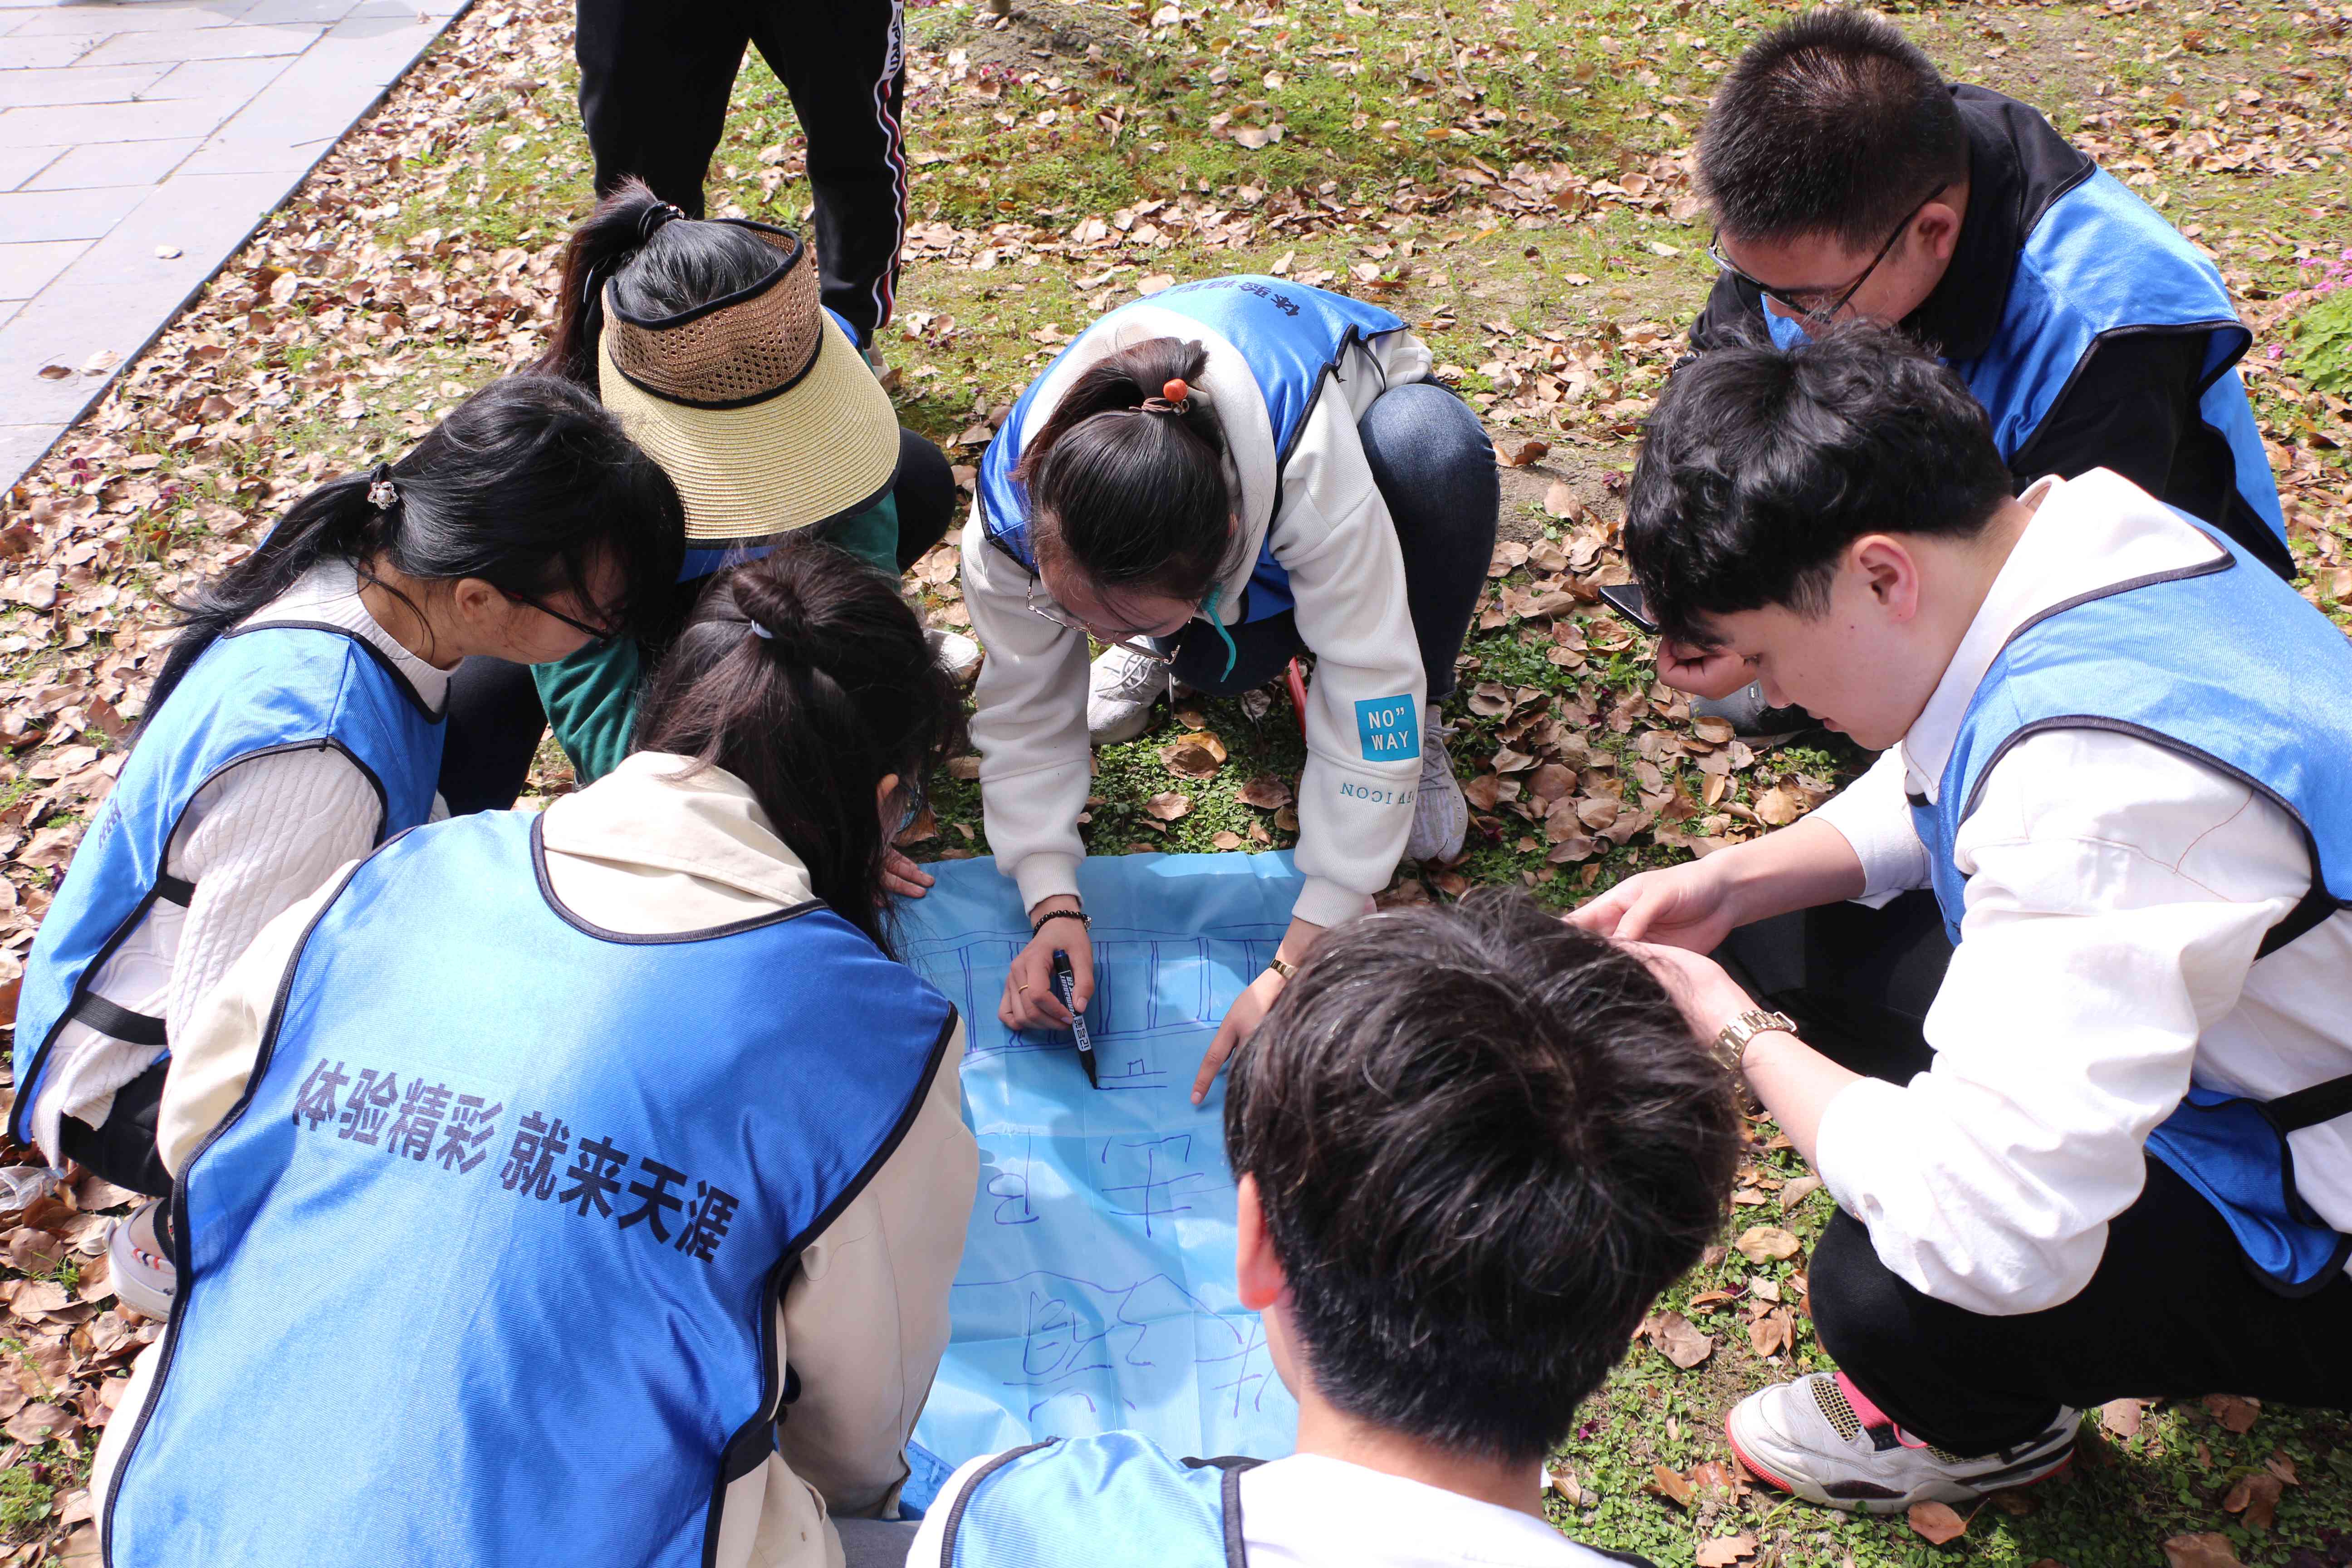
[(1559, 500), (1196, 756), (1936, 1522), (2257, 1497), (1667, 1483), (1520, 453), (1167, 808), (1226, 840), (2234, 1413), (1761, 1243), (1725, 1550), (1778, 807), (1264, 792), (2122, 1416), (1798, 1191), (1681, 1343), (2207, 1550)]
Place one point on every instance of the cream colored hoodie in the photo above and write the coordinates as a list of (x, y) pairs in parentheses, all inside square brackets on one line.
[(863, 1322), (1329, 530)]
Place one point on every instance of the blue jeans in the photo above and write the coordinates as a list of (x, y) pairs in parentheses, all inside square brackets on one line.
[(1434, 465)]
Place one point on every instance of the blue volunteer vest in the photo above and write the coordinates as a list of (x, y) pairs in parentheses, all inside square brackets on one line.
[(2100, 261), (536, 1189), (1290, 336), (2166, 658), (273, 689), (1085, 1501)]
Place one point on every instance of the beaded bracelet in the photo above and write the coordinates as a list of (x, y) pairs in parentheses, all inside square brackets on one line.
[(1079, 915)]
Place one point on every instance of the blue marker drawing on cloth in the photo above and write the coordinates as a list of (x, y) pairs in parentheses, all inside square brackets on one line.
[(1097, 1290)]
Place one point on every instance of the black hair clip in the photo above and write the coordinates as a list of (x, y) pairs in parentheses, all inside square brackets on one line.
[(657, 216)]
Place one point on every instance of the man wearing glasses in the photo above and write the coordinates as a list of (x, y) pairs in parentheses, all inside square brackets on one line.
[(1849, 179)]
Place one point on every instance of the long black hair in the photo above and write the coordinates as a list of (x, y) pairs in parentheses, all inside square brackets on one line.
[(1133, 498), (806, 675), (660, 262), (528, 485)]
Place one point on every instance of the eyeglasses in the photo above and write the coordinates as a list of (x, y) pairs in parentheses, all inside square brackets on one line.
[(598, 638), (1794, 301), (1046, 609)]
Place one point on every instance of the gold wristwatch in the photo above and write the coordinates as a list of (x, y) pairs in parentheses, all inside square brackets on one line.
[(1731, 1040), (1283, 967)]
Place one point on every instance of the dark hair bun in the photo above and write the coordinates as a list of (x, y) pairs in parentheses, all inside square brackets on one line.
[(772, 604)]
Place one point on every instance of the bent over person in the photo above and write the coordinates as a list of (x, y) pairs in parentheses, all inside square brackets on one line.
[(586, 1187), (2117, 1161)]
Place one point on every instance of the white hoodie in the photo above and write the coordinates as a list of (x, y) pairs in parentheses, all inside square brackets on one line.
[(1329, 530)]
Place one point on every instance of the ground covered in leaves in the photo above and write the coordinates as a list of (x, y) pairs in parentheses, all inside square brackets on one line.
[(1510, 175)]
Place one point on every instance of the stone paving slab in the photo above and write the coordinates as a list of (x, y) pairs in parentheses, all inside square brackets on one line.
[(141, 143)]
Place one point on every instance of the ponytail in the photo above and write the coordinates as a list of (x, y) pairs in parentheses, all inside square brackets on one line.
[(529, 485), (806, 675), (1126, 485), (662, 261)]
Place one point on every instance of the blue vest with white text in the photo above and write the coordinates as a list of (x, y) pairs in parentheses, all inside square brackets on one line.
[(2166, 658), (1084, 1502), (486, 1267), (272, 689), (2102, 261), (1290, 336)]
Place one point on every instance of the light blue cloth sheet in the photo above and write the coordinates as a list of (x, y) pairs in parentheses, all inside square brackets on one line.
[(1096, 1291)]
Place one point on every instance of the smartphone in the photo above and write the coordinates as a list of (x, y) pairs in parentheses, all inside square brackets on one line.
[(1626, 599)]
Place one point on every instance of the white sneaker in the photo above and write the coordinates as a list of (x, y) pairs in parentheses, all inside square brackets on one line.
[(957, 654), (143, 1277), (1440, 816), (1121, 690), (1822, 1438)]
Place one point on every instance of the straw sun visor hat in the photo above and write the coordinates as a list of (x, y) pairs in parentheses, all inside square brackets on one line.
[(756, 405)]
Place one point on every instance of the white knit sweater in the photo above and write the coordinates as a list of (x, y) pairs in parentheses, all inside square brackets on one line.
[(263, 835)]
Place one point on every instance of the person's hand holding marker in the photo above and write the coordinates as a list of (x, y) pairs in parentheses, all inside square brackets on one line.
[(1058, 925)]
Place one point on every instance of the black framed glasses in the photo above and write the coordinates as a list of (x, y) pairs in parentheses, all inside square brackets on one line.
[(1794, 301), (1046, 609), (597, 637)]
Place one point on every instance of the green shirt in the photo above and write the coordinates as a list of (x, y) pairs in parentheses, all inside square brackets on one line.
[(592, 697)]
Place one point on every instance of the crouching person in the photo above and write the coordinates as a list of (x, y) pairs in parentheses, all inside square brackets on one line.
[(2076, 1183), (581, 1188), (1471, 1146)]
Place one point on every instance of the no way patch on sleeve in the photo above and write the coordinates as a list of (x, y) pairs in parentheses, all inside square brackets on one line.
[(1390, 729)]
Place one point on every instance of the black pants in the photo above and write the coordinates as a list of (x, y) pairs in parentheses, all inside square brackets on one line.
[(495, 719), (1435, 468), (2172, 1311), (122, 1148), (655, 76)]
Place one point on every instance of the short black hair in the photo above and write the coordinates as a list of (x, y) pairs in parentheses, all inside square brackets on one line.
[(1483, 1140), (1761, 464), (1835, 123)]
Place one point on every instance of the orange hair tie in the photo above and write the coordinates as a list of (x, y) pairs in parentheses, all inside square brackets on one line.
[(1176, 391)]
